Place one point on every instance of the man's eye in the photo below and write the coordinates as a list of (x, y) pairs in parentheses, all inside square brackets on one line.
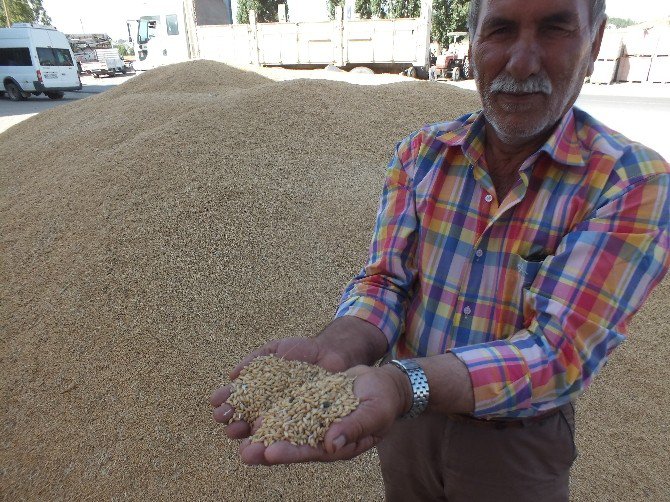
[(503, 30), (557, 29)]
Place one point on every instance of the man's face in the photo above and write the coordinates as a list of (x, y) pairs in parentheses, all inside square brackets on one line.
[(530, 60)]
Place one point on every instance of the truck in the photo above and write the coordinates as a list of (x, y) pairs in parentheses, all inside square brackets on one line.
[(107, 62), (388, 45), (36, 59), (177, 30), (165, 30)]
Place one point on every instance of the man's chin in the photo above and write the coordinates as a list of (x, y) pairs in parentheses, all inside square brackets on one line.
[(516, 132), (521, 103)]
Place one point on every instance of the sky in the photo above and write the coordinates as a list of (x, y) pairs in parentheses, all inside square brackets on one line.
[(77, 16)]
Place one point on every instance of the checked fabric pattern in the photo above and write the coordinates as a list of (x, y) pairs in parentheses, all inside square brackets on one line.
[(532, 292)]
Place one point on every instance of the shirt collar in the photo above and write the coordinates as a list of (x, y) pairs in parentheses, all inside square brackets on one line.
[(563, 146)]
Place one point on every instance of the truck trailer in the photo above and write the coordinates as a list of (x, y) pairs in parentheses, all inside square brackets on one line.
[(171, 31)]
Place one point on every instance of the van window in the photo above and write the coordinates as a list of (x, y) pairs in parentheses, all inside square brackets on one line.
[(172, 24), (15, 56), (49, 56)]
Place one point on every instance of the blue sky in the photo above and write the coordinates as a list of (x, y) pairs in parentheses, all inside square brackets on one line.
[(110, 17)]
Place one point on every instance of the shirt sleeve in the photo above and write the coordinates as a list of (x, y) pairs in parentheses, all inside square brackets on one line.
[(579, 305), (379, 293)]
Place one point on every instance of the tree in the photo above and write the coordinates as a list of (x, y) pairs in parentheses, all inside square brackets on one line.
[(266, 10), (371, 8), (331, 7), (404, 8), (449, 15), (619, 22), (24, 11), (124, 50), (363, 8)]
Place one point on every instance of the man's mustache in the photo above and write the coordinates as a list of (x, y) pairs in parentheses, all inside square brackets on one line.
[(510, 85)]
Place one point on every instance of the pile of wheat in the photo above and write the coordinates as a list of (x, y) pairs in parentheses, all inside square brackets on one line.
[(152, 235)]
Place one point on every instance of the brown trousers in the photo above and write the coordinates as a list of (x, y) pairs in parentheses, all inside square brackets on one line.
[(436, 457)]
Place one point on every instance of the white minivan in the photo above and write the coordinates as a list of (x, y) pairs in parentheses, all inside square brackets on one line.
[(36, 59)]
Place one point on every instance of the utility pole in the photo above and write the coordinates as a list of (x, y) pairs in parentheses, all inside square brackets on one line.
[(4, 4)]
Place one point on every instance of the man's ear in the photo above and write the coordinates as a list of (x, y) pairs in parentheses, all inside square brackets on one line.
[(595, 46)]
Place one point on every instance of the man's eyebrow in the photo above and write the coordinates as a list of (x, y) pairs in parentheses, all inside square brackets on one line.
[(495, 21), (562, 17)]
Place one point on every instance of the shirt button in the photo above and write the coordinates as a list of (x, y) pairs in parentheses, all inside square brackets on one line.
[(488, 197), (479, 253), (467, 310)]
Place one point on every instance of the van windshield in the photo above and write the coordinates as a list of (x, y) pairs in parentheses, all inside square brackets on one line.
[(50, 56), (147, 29)]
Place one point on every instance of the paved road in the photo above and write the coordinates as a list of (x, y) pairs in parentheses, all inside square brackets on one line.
[(13, 112), (641, 118)]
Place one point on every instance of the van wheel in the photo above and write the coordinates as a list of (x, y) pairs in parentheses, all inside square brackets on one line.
[(15, 93), (55, 95)]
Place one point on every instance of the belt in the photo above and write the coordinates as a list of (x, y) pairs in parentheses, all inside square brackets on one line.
[(502, 423)]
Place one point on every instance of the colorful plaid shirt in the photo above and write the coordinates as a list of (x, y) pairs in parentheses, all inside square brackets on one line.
[(531, 293)]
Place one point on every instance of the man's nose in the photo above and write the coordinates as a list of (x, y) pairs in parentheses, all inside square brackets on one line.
[(524, 57)]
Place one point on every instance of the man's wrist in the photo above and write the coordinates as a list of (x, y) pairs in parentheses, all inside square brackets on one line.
[(403, 388), (356, 340)]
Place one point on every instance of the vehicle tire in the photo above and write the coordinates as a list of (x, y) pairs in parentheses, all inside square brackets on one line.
[(55, 95), (467, 71), (456, 74), (15, 93), (124, 70), (95, 75)]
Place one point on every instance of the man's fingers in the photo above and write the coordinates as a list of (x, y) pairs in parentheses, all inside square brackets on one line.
[(238, 430), (223, 413), (219, 396), (283, 452), (253, 453)]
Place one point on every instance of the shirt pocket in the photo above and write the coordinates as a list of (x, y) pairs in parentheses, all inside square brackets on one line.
[(515, 280)]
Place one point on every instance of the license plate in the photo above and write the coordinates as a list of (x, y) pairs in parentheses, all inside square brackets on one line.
[(51, 75)]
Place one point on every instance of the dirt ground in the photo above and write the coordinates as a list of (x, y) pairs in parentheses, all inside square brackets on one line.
[(152, 235)]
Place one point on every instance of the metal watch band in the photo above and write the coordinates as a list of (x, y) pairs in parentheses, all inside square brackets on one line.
[(419, 382)]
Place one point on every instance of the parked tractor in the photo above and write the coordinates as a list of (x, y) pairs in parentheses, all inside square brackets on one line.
[(454, 61)]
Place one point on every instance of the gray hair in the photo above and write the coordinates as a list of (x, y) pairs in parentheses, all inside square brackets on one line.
[(597, 16)]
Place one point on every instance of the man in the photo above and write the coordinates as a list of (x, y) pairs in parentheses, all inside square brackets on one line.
[(511, 249)]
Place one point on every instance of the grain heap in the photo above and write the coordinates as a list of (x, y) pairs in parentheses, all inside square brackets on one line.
[(298, 401), (153, 235)]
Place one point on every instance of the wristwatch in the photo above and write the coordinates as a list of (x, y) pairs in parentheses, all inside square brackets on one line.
[(419, 383)]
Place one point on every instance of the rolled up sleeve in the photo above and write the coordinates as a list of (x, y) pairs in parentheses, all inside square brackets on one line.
[(578, 307), (380, 292)]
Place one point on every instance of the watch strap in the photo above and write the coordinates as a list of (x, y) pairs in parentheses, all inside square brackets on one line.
[(419, 383)]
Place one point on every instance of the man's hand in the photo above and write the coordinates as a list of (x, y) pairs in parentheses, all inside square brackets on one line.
[(384, 395), (299, 349)]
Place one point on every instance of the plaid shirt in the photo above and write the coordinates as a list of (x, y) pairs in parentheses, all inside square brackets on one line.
[(531, 293)]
